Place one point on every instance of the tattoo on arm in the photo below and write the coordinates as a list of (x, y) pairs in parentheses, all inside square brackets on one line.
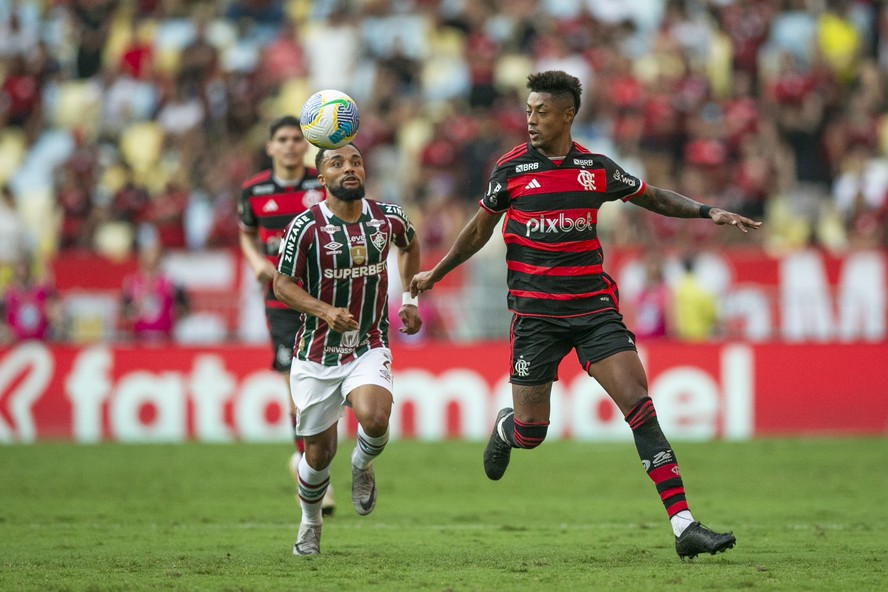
[(668, 203)]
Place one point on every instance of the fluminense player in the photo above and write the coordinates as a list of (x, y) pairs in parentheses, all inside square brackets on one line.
[(332, 268), (550, 190), (269, 201)]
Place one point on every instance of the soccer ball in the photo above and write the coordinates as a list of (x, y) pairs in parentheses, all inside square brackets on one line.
[(329, 119)]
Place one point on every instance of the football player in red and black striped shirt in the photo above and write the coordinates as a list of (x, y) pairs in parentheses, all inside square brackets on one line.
[(269, 201), (549, 190)]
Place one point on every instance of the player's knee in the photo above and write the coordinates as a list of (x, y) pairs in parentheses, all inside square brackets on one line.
[(375, 424), (530, 435)]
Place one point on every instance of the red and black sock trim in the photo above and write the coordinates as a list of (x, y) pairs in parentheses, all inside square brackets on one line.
[(530, 434)]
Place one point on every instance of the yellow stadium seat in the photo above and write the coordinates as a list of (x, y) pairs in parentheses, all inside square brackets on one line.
[(141, 144)]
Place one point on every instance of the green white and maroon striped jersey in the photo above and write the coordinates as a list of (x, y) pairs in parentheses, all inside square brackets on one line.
[(344, 264), (553, 254)]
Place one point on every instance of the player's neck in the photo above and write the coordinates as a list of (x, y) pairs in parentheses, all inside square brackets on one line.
[(557, 150), (347, 211), (285, 176)]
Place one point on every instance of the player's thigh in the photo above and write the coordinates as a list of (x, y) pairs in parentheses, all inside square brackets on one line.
[(368, 387), (606, 350), (622, 376), (537, 347), (317, 396)]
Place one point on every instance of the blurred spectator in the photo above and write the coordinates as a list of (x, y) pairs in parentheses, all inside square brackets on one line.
[(20, 104), (694, 309), (165, 215), (651, 305), (92, 22), (282, 59), (151, 303), (30, 309), (12, 235)]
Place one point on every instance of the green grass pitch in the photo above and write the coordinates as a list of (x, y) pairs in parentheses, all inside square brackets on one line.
[(808, 515)]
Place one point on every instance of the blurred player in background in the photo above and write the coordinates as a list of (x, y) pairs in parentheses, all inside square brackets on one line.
[(333, 268), (151, 302), (550, 190), (29, 306), (269, 201)]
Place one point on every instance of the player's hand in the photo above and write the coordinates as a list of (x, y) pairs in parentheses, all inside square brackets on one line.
[(410, 317), (340, 320), (723, 217), (266, 272), (421, 282)]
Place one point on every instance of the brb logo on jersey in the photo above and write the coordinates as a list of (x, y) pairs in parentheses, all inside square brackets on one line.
[(562, 223)]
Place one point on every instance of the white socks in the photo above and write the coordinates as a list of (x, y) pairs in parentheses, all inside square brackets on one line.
[(681, 521), (368, 448), (312, 486)]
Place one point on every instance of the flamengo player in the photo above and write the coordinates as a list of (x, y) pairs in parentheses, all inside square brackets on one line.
[(333, 268), (269, 201), (550, 189)]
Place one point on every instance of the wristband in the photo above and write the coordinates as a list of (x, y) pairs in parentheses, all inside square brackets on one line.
[(704, 211), (407, 299)]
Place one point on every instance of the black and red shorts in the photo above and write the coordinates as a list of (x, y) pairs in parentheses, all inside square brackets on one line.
[(283, 323), (540, 343)]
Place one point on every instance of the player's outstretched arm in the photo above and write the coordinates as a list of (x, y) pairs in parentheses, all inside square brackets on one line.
[(676, 205), (471, 238), (288, 291)]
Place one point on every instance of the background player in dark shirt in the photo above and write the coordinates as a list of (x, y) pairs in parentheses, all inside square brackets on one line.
[(269, 201), (550, 190)]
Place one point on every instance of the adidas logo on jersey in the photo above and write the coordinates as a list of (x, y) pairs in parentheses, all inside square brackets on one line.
[(270, 206), (534, 184)]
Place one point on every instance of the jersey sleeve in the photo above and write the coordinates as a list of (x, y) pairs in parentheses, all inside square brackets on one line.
[(245, 215), (620, 184), (294, 248), (403, 231), (496, 200)]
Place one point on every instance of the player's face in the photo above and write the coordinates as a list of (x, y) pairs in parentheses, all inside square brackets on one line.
[(287, 149), (342, 173), (548, 120)]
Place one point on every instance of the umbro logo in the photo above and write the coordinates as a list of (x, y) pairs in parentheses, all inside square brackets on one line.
[(534, 184), (270, 206)]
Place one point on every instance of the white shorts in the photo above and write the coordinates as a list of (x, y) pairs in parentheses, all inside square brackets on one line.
[(320, 392)]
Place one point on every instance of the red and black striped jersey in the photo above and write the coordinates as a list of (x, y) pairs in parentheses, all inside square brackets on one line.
[(553, 255), (266, 206), (344, 264)]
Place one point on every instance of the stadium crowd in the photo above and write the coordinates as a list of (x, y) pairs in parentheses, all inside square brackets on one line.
[(126, 121)]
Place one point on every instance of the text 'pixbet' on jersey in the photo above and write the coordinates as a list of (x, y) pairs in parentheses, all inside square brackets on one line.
[(562, 223)]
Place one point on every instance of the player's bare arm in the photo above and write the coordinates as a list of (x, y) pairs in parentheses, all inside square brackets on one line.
[(471, 238), (408, 266), (676, 205), (288, 291), (262, 268)]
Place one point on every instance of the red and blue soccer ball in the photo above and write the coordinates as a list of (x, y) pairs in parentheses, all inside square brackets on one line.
[(330, 119)]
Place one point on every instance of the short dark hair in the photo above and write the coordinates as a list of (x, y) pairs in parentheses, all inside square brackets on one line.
[(557, 83), (319, 157), (284, 121)]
